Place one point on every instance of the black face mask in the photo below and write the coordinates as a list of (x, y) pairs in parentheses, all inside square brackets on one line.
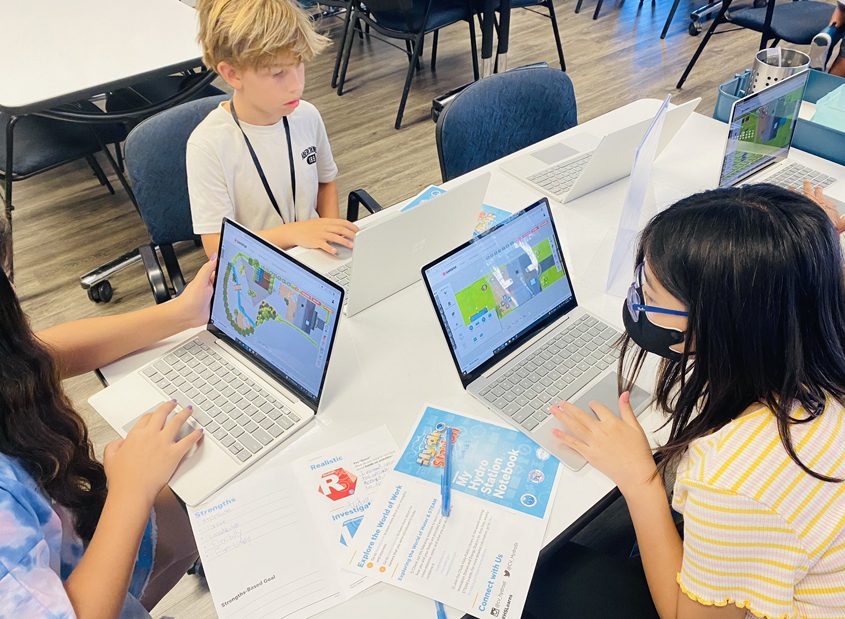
[(650, 337)]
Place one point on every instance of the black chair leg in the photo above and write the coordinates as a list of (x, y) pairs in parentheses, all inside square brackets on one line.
[(118, 155), (340, 47), (716, 21), (669, 18), (408, 77), (578, 6), (550, 5), (98, 172), (473, 47), (174, 271), (598, 9), (434, 51), (347, 48), (152, 267)]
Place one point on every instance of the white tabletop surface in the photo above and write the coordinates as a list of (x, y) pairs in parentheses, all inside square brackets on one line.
[(391, 360), (53, 50)]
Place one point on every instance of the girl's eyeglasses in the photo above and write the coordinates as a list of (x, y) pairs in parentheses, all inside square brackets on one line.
[(635, 298)]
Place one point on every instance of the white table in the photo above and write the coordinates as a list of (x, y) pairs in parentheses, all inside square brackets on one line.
[(68, 51), (59, 52), (392, 359)]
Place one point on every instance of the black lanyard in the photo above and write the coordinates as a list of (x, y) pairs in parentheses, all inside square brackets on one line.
[(261, 171)]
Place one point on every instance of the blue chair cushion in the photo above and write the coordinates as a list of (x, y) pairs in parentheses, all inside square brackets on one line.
[(795, 22), (155, 160), (502, 114), (43, 143)]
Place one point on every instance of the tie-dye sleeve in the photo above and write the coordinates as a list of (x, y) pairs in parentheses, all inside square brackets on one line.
[(29, 584)]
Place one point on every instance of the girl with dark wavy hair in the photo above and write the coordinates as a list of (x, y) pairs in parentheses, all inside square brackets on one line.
[(80, 538), (741, 292)]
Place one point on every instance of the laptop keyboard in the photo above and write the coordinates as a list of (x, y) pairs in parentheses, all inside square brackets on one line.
[(559, 178), (340, 276), (553, 372), (793, 175), (242, 416)]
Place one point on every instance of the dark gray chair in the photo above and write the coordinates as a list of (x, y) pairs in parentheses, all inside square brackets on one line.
[(31, 145), (794, 22), (502, 114), (409, 21)]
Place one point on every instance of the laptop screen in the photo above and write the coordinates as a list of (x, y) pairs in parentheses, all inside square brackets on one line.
[(277, 311), (760, 129), (500, 288)]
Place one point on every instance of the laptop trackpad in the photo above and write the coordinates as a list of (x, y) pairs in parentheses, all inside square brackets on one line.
[(606, 392), (554, 153)]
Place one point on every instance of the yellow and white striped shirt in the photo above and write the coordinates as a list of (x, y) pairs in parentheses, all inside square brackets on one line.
[(759, 532)]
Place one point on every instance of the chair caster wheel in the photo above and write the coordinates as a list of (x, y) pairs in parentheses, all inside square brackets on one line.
[(101, 292), (694, 29)]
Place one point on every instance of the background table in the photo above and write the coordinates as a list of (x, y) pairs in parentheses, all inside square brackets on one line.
[(391, 360), (63, 52)]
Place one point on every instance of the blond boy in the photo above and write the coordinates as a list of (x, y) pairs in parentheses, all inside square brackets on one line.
[(266, 164)]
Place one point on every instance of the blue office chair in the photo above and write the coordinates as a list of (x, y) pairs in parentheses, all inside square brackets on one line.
[(155, 160), (502, 114)]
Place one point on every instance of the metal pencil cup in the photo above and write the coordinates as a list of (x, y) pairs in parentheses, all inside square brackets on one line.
[(775, 64)]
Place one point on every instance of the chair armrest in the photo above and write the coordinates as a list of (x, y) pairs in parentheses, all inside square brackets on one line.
[(360, 197)]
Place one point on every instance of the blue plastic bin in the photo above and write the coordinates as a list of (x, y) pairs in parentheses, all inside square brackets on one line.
[(815, 139)]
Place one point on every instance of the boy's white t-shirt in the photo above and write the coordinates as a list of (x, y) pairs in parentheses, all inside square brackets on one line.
[(223, 180)]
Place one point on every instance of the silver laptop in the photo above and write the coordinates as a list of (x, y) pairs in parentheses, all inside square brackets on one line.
[(518, 338), (387, 256), (254, 376), (574, 165), (760, 132)]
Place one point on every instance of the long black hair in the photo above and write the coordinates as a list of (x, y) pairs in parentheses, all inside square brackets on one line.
[(38, 425), (761, 272)]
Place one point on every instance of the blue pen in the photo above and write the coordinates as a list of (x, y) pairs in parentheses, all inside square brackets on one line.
[(445, 498), (446, 479)]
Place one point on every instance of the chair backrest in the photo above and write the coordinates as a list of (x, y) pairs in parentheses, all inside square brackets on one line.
[(155, 160), (501, 114), (401, 16)]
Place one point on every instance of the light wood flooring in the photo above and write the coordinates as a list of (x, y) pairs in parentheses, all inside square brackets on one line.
[(66, 223)]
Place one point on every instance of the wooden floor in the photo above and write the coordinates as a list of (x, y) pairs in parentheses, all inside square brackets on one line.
[(66, 223)]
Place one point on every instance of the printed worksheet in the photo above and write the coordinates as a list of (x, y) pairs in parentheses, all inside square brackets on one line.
[(481, 558), (338, 485)]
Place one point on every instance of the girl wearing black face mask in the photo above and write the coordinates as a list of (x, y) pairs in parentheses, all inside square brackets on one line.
[(741, 292)]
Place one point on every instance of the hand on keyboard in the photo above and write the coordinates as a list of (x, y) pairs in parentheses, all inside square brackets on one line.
[(816, 194), (615, 445), (140, 465)]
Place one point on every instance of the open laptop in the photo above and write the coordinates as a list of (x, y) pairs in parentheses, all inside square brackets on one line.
[(387, 256), (575, 165), (254, 376), (760, 132), (519, 340)]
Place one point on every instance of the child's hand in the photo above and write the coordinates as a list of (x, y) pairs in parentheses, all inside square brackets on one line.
[(616, 446), (139, 465), (816, 194), (319, 233), (195, 301)]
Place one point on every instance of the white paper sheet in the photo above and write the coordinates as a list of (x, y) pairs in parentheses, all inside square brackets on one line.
[(257, 546), (338, 485), (481, 558)]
